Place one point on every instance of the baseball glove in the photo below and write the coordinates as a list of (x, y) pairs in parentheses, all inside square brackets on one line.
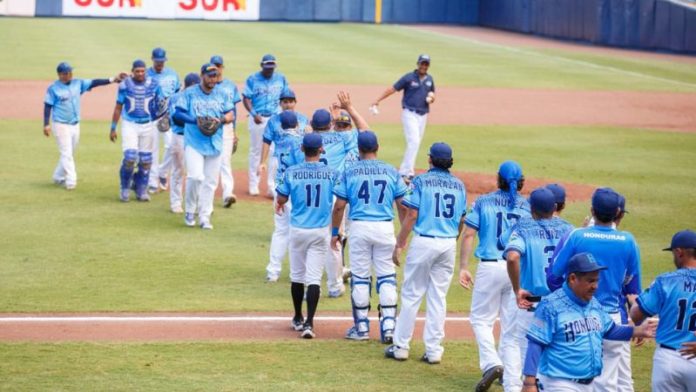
[(208, 125), (163, 124), (160, 108)]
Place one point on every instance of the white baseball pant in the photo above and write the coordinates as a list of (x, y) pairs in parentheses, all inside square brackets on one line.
[(523, 320), (255, 148), (176, 180), (153, 181), (672, 372), (279, 241), (493, 296), (167, 160), (308, 247), (612, 352), (624, 372), (414, 128), (202, 174), (137, 137), (226, 175), (334, 266), (67, 138), (428, 272), (551, 384)]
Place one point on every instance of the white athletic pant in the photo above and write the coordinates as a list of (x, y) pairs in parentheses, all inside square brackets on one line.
[(255, 148), (153, 181), (201, 181), (523, 319), (428, 272), (176, 180), (168, 160), (334, 267), (371, 245), (138, 137), (624, 372), (67, 138), (414, 128), (226, 176), (550, 384), (612, 353), (279, 240), (672, 372), (493, 297), (308, 248)]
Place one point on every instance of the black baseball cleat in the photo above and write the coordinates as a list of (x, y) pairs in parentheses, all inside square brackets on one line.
[(489, 376)]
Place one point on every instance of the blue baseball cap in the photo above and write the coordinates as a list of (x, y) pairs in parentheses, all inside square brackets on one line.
[(63, 67), (159, 54), (367, 140), (622, 203), (138, 64), (321, 119), (440, 150), (209, 69), (288, 119), (217, 60), (268, 61), (542, 200), (685, 239), (191, 79), (424, 58), (287, 94), (558, 191), (510, 171), (583, 262), (312, 140), (605, 201)]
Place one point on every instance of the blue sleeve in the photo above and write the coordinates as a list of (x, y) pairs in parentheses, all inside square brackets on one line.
[(619, 332), (652, 299), (515, 242), (401, 83), (473, 217), (121, 97), (97, 83), (531, 360), (87, 84), (268, 132), (282, 186), (633, 271), (47, 113), (543, 326), (182, 116), (177, 83), (433, 86), (249, 87), (340, 187), (236, 98), (401, 188), (412, 198), (50, 97), (560, 261)]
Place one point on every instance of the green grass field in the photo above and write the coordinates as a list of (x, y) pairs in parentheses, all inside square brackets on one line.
[(84, 251)]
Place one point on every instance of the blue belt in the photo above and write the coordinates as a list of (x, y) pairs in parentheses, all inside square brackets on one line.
[(419, 112), (265, 114), (667, 347), (70, 123), (378, 220), (141, 121), (583, 381), (432, 236), (489, 260)]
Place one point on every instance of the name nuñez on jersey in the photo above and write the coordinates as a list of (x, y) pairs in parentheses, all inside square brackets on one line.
[(581, 326)]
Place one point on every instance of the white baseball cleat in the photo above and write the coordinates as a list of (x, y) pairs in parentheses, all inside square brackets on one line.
[(271, 278), (396, 352), (308, 332), (125, 195), (163, 183), (297, 325), (206, 225), (336, 293), (143, 197), (152, 190), (431, 360), (354, 334), (190, 219), (70, 187), (254, 191), (177, 210)]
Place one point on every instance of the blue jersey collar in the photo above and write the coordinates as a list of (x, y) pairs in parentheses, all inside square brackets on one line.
[(438, 170), (574, 297)]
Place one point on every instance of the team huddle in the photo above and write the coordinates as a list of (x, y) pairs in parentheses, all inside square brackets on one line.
[(568, 299)]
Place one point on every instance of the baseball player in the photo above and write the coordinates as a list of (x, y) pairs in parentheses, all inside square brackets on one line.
[(370, 187), (559, 193), (672, 296), (284, 131), (203, 143), (419, 93), (616, 250), (309, 185), (261, 96), (229, 135), (490, 216), (176, 148), (565, 338), (436, 205), (63, 99), (528, 251), (169, 84), (137, 97)]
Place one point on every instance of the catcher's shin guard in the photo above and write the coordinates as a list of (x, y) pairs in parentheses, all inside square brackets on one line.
[(360, 289), (386, 289), (130, 157), (143, 175)]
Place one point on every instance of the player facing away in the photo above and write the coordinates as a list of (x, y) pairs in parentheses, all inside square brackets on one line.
[(309, 185), (490, 216), (565, 339), (137, 97), (62, 106), (436, 203), (169, 83), (261, 95), (419, 92), (203, 151), (229, 134), (672, 296), (528, 251), (370, 187)]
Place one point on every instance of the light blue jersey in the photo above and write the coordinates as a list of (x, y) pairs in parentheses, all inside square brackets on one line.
[(138, 99), (370, 187), (336, 147), (440, 199), (173, 103), (352, 151), (199, 104), (614, 249), (65, 99), (309, 186), (535, 241), (571, 331), (168, 80), (274, 133), (230, 90), (265, 93), (492, 215), (672, 296)]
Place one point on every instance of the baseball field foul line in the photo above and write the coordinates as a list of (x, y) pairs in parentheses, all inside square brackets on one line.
[(82, 319)]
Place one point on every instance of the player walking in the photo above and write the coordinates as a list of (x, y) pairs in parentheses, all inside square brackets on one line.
[(419, 93), (63, 99), (370, 187), (436, 205), (490, 216), (309, 185), (672, 296), (261, 96)]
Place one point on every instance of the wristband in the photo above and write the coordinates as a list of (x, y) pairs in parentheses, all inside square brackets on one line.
[(112, 79), (334, 231), (113, 126)]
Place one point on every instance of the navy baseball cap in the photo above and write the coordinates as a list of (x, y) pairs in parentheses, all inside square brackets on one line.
[(159, 54), (510, 171), (583, 262), (424, 58), (605, 201), (217, 60), (287, 94), (321, 118), (343, 118), (63, 67), (685, 239), (367, 141), (288, 119), (542, 200), (312, 140), (268, 61), (191, 79), (622, 203), (209, 69), (138, 64), (440, 151), (558, 191)]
